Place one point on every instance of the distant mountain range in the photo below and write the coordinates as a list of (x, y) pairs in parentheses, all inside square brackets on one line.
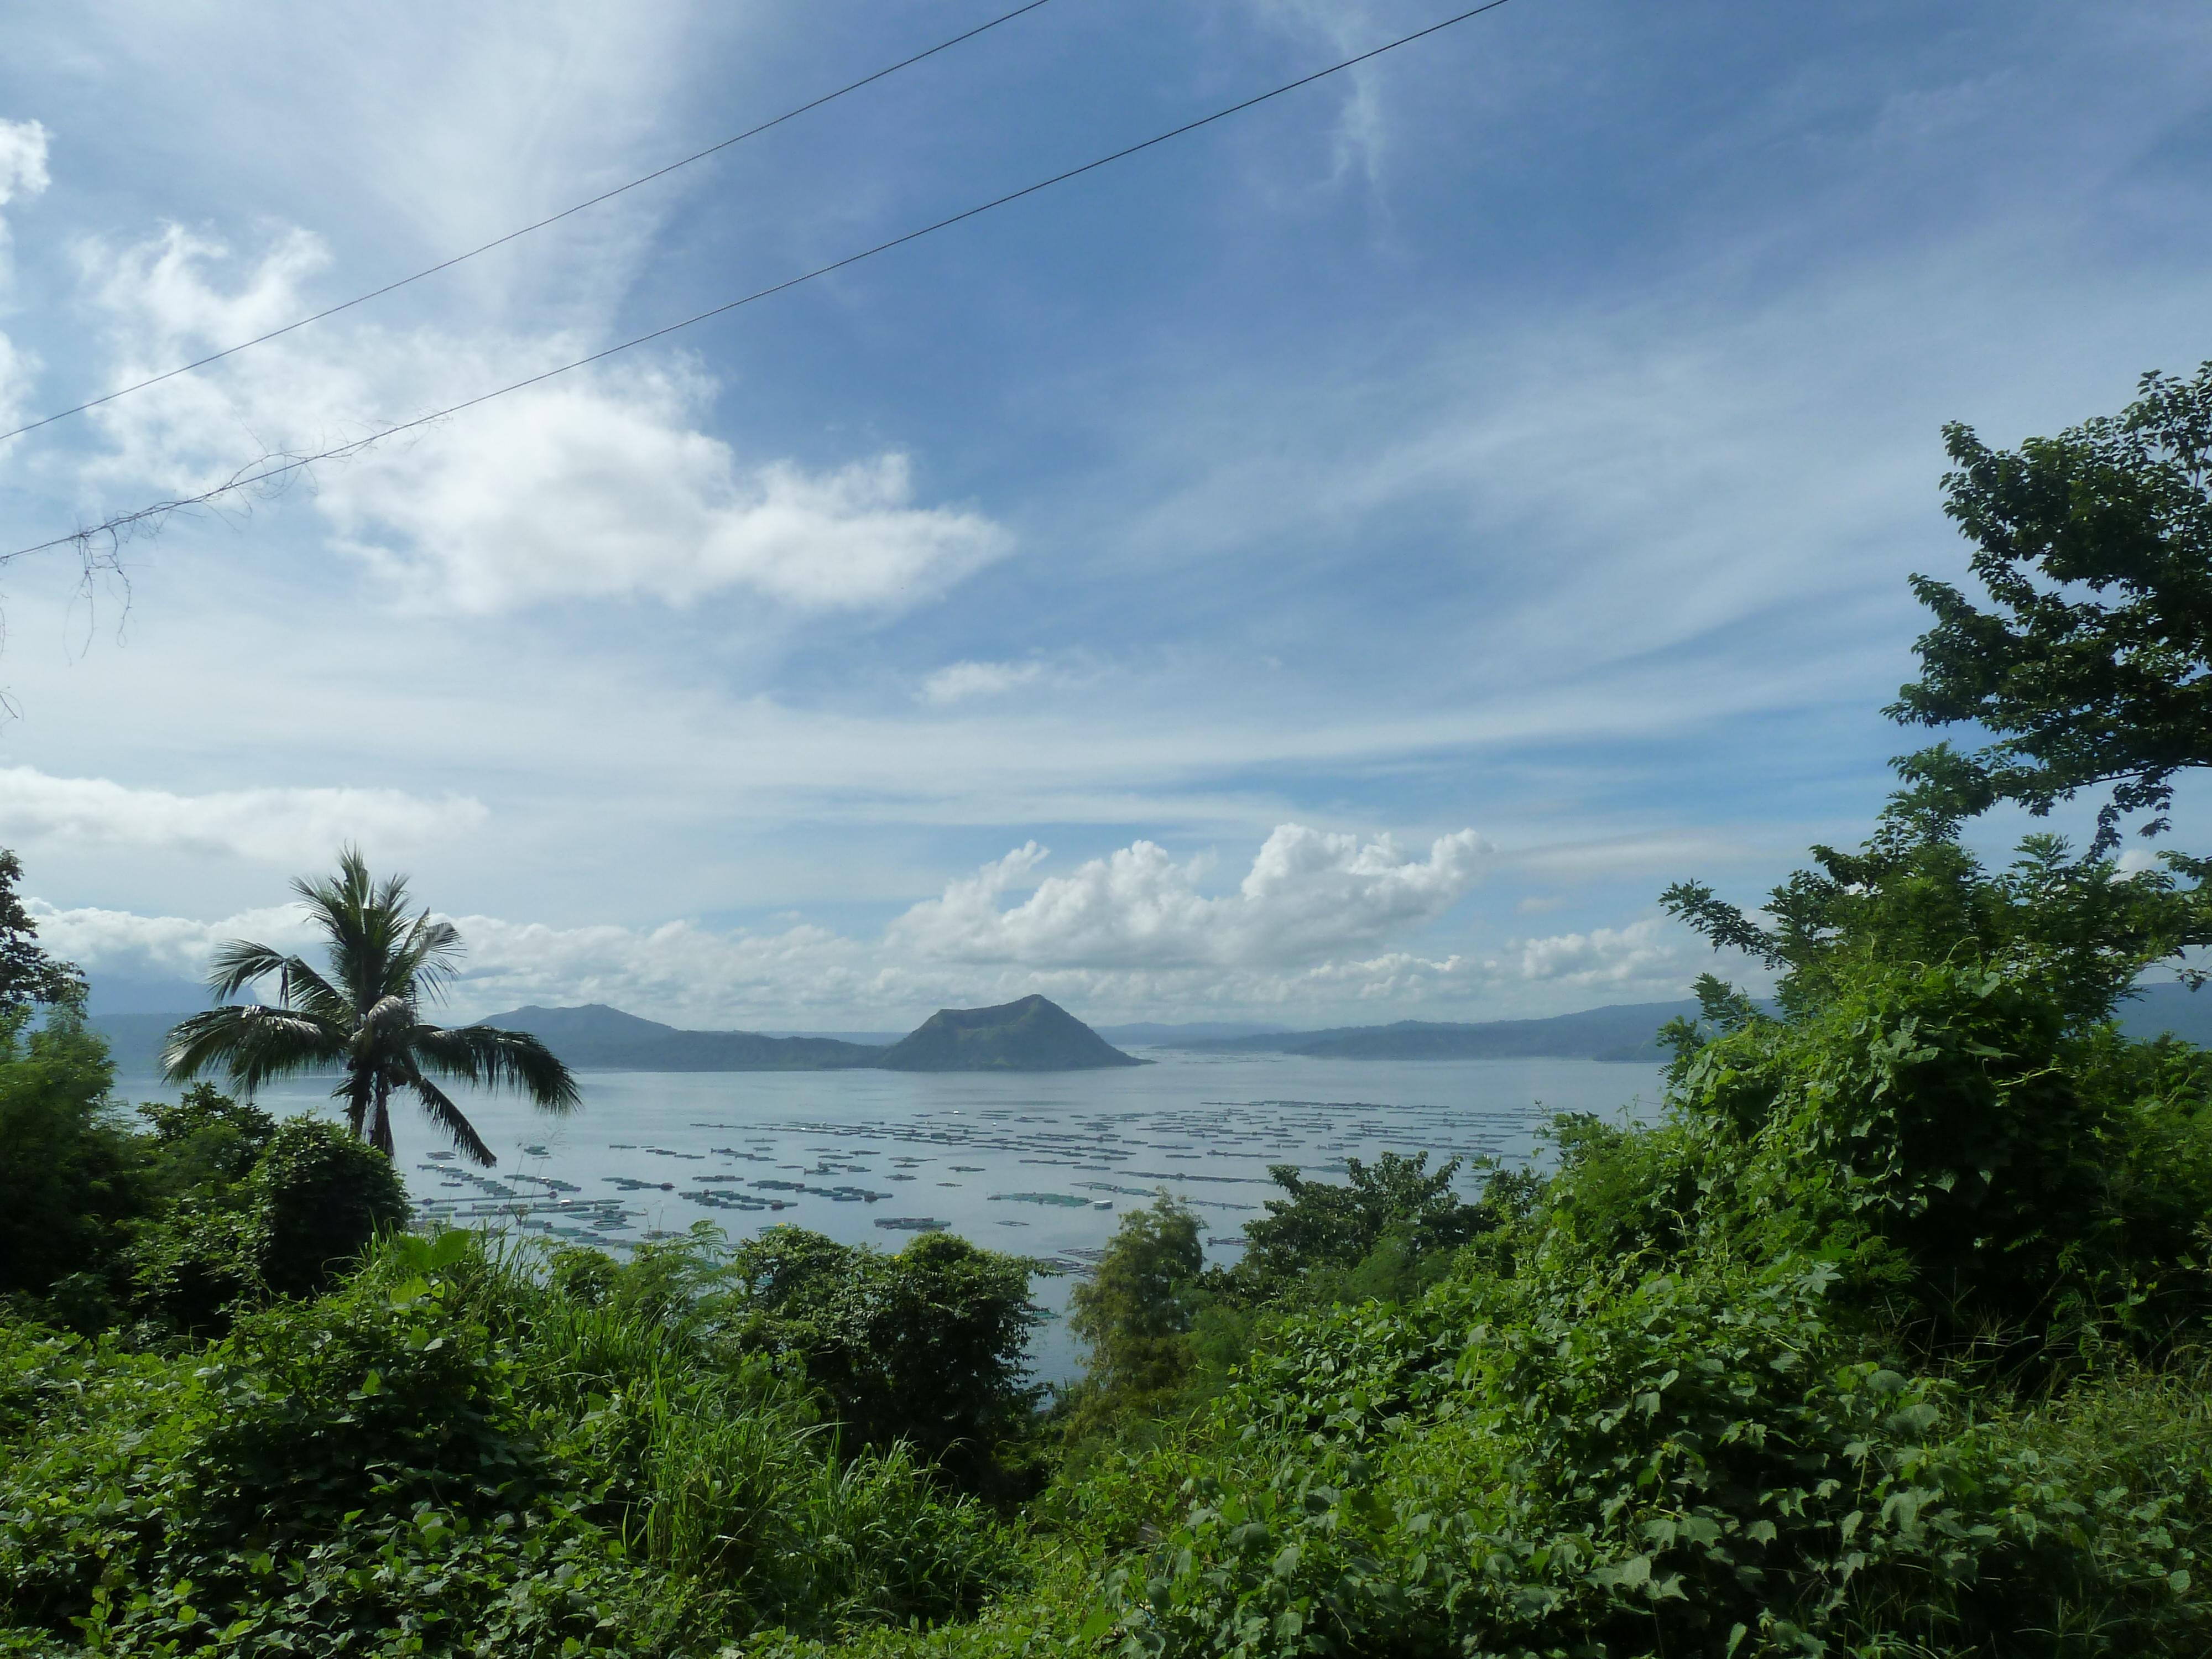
[(1034, 1035), (1153, 1035), (598, 1038), (1625, 1031)]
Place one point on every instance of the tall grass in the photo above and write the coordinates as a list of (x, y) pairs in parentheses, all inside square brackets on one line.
[(715, 1465)]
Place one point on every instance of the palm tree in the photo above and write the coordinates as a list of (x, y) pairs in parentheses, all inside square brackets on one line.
[(384, 965)]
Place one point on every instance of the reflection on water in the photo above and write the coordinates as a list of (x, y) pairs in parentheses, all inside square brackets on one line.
[(874, 1157)]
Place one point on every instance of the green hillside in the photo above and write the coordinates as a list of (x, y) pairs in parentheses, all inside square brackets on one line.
[(1032, 1035)]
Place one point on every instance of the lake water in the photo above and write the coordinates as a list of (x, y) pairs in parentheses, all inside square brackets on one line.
[(1043, 1165)]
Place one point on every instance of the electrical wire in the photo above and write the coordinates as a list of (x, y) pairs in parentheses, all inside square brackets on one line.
[(115, 526), (501, 241)]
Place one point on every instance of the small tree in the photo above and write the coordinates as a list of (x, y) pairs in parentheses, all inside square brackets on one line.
[(1138, 1311), (2080, 928), (319, 1199), (70, 1178)]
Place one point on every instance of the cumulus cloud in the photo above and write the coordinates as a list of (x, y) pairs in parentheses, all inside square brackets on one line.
[(284, 826), (1641, 951), (601, 490), (1308, 894), (1306, 933), (125, 944), (1134, 929), (598, 484)]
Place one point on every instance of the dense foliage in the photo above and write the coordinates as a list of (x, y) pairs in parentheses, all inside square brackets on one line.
[(447, 1454)]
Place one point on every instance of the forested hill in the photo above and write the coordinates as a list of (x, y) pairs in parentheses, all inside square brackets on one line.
[(1032, 1035)]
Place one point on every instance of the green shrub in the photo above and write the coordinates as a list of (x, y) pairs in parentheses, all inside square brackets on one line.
[(1320, 1226), (1980, 1174), (320, 1198), (1663, 1464), (449, 1453), (925, 1346)]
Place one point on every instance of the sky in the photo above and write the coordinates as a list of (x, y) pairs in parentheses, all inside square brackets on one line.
[(1339, 566)]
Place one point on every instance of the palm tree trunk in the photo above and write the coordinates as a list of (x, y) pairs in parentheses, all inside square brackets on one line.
[(381, 1130), (357, 1100)]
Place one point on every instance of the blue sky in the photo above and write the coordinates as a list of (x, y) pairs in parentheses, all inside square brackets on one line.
[(1341, 565)]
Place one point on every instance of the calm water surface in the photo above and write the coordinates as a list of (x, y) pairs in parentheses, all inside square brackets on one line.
[(1043, 1165)]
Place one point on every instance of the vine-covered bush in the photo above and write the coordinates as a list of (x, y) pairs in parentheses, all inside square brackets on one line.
[(448, 1454), (1693, 1464), (320, 1198)]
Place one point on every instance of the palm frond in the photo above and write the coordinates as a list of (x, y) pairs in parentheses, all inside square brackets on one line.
[(448, 1117), (428, 957), (379, 947), (308, 992), (484, 1054), (239, 963), (251, 1044), (344, 908)]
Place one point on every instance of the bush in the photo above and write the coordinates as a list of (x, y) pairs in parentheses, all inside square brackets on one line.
[(1321, 1226), (1700, 1463), (447, 1454), (925, 1346), (1980, 1175), (206, 1140), (320, 1198)]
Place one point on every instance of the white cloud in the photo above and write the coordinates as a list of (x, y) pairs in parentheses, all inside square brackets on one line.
[(1128, 935), (22, 174), (1308, 894), (285, 826), (1640, 953), (957, 682), (600, 490), (17, 369), (23, 159), (597, 485), (120, 943)]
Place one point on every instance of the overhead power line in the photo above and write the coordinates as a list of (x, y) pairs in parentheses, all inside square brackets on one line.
[(512, 235), (246, 479)]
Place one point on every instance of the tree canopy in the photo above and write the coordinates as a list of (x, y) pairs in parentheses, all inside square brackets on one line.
[(28, 974), (2092, 664)]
